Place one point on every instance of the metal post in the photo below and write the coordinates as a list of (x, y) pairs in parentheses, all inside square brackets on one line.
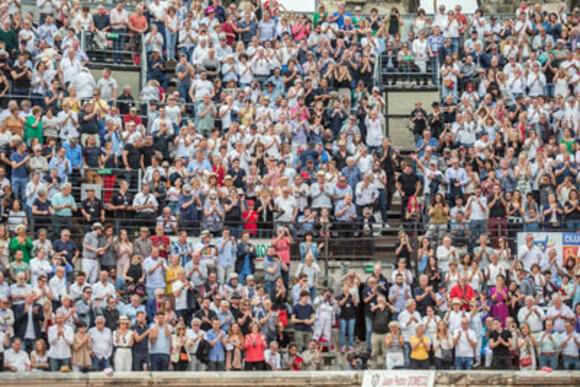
[(83, 40), (387, 126), (143, 62), (326, 255)]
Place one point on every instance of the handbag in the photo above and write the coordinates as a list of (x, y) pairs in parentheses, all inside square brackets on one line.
[(446, 355), (525, 361)]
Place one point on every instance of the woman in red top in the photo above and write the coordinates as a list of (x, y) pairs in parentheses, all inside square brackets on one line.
[(255, 343), (250, 217), (301, 28), (230, 29)]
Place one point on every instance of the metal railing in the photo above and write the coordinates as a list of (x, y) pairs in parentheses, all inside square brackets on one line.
[(114, 56)]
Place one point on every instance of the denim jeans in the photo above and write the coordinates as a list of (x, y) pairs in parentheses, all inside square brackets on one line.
[(119, 45), (55, 364), (569, 362), (19, 186), (477, 227), (100, 364), (170, 41), (159, 362), (549, 361), (433, 67), (463, 362), (407, 352), (369, 331), (344, 325)]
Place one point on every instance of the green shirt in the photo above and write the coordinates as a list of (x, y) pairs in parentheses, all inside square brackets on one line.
[(25, 247), (33, 132), (317, 19), (18, 268), (8, 37)]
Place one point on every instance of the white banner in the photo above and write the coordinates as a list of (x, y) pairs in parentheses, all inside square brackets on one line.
[(300, 6), (398, 378), (566, 244), (467, 6)]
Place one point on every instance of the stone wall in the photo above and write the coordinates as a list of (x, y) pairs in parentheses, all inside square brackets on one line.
[(280, 379)]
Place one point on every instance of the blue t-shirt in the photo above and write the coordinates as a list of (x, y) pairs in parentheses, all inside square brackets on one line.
[(20, 172), (162, 344), (216, 353)]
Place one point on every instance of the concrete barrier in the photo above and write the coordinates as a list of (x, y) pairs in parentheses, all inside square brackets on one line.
[(280, 379)]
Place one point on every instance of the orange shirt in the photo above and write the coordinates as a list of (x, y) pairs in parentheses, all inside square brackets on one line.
[(137, 21)]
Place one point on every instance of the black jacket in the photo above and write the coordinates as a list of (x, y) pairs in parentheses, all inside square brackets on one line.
[(21, 320)]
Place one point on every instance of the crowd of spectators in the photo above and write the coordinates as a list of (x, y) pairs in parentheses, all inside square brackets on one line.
[(270, 126)]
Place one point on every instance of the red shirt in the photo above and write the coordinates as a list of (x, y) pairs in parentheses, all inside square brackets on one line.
[(255, 346), (163, 243), (129, 118), (465, 294), (228, 28), (250, 221)]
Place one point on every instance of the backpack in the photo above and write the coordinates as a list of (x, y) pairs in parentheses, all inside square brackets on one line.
[(202, 353)]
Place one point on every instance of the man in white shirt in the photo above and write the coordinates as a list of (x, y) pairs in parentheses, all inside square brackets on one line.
[(57, 284), (408, 320), (103, 289), (446, 253), (15, 359), (145, 205), (530, 253), (532, 315), (272, 357), (476, 212), (559, 313), (569, 343), (195, 335), (286, 207), (102, 340), (180, 289), (465, 342), (60, 338), (200, 87)]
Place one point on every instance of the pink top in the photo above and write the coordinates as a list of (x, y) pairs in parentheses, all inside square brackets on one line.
[(282, 248)]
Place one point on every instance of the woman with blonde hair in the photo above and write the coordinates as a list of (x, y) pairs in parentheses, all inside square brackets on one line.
[(72, 100), (179, 344), (123, 341), (420, 347), (234, 348), (39, 357), (123, 249), (442, 347), (394, 341)]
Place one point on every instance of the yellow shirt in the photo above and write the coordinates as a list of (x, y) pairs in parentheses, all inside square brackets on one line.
[(170, 278), (420, 352)]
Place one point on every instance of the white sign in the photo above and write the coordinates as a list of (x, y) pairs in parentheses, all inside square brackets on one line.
[(300, 6), (398, 378), (468, 7)]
